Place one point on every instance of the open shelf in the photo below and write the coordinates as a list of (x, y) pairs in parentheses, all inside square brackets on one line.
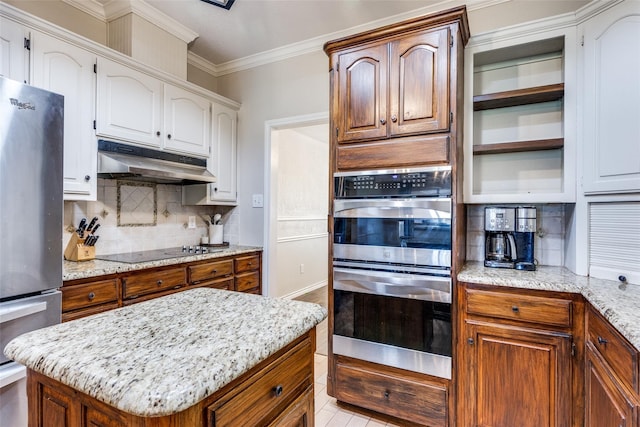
[(519, 146), (513, 98)]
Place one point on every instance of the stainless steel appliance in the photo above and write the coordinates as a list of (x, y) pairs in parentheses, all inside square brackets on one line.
[(509, 237), (31, 209), (392, 268)]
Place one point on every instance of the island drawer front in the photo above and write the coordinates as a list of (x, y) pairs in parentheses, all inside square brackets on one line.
[(249, 281), (415, 401), (89, 294), (523, 308), (212, 270), (268, 392), (614, 348), (247, 263), (226, 284), (154, 281), (77, 314)]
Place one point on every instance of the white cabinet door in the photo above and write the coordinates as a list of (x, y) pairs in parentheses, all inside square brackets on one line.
[(187, 122), (611, 100), (129, 104), (68, 70), (14, 57), (222, 162)]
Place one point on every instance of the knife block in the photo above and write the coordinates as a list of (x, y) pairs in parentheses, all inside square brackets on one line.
[(77, 251)]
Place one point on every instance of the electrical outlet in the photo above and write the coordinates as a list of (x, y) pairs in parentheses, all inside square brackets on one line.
[(192, 222), (301, 268), (257, 201)]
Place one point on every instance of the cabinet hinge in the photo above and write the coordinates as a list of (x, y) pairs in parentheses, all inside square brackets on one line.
[(27, 43), (582, 41), (95, 68), (450, 40), (450, 116), (337, 66), (573, 349), (336, 132), (94, 125)]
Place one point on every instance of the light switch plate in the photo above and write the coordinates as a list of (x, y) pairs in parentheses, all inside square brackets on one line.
[(192, 222), (257, 201)]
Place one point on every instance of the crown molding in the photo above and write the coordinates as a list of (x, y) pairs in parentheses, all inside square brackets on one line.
[(90, 7), (315, 44)]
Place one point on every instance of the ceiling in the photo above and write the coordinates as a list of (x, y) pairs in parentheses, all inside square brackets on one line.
[(256, 26)]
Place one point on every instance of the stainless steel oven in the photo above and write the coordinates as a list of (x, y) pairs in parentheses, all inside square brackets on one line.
[(392, 268)]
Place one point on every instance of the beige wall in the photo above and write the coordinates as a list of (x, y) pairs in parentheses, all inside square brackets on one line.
[(65, 16)]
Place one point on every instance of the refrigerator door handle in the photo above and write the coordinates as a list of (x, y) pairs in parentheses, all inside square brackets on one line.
[(12, 373), (16, 312)]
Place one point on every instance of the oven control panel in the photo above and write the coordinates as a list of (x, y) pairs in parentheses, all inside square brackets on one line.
[(434, 182)]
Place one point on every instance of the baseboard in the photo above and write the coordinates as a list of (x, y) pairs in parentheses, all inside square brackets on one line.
[(305, 290)]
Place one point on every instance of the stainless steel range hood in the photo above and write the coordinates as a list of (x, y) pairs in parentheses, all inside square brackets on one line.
[(116, 160)]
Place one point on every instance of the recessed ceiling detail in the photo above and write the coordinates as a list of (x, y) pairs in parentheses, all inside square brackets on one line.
[(226, 4)]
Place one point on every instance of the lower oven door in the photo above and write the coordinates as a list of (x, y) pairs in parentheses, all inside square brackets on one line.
[(393, 318)]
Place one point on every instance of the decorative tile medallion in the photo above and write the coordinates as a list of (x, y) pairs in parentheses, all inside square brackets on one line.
[(137, 204)]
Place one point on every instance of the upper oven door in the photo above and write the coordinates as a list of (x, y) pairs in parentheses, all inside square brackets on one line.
[(401, 231)]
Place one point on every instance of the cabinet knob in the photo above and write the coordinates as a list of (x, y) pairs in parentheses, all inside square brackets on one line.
[(383, 122), (215, 189), (515, 309), (277, 390), (214, 272), (387, 394), (602, 340), (622, 278), (394, 118), (157, 133), (87, 178), (470, 341), (168, 136), (159, 282), (91, 296)]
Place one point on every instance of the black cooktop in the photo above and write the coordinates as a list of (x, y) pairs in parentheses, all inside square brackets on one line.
[(158, 254)]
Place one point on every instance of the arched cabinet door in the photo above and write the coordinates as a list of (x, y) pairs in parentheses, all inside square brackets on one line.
[(362, 93), (419, 83)]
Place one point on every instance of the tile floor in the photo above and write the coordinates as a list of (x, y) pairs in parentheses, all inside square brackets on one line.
[(328, 413)]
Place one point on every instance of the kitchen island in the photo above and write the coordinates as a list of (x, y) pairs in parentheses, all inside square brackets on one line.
[(202, 357)]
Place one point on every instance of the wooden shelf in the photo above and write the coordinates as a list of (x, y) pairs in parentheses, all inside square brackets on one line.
[(513, 98), (520, 146)]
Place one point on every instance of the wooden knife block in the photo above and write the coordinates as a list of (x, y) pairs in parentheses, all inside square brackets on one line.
[(77, 251)]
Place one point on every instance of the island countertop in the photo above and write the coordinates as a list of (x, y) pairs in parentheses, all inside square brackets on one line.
[(162, 356), (617, 302)]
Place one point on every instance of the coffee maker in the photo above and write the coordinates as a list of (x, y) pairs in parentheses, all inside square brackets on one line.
[(509, 237)]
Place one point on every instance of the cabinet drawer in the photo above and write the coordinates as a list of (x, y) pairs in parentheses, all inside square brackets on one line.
[(155, 281), (77, 314), (248, 263), (226, 284), (89, 294), (614, 348), (399, 397), (525, 308), (247, 281), (268, 392), (209, 271)]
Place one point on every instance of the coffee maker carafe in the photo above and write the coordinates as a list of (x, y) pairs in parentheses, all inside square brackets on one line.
[(500, 247), (509, 237)]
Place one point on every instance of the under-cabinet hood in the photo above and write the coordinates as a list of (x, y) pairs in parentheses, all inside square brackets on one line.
[(116, 160)]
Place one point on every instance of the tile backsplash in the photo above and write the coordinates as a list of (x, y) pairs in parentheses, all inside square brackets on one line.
[(170, 229), (549, 240)]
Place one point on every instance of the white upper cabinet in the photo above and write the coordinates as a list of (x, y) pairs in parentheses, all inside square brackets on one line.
[(68, 70), (187, 121), (520, 128), (611, 100), (14, 57), (221, 163), (129, 105)]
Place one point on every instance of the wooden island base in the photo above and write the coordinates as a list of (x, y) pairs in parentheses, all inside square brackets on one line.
[(276, 392)]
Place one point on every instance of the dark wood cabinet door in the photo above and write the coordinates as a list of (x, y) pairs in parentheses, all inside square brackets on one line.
[(607, 404), (419, 83), (515, 377), (362, 93)]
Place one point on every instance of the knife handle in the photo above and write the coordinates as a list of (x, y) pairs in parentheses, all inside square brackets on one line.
[(92, 223)]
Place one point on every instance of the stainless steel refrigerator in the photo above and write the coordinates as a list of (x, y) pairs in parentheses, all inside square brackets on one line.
[(31, 211)]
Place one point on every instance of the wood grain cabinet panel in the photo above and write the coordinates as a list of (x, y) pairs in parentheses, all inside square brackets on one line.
[(247, 263), (299, 414), (148, 282), (89, 294), (210, 271)]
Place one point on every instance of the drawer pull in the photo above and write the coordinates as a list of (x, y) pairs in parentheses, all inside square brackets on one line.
[(386, 394), (470, 341), (602, 340), (515, 309), (91, 296), (159, 282), (277, 390), (214, 272)]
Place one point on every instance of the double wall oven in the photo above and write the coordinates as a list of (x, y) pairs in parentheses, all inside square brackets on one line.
[(392, 268)]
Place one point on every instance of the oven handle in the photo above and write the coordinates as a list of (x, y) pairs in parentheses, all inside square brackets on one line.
[(387, 208), (394, 284)]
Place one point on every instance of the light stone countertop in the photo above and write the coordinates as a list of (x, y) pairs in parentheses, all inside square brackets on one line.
[(85, 269), (162, 356), (618, 303)]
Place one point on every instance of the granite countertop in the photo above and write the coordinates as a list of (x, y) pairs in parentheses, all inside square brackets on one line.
[(162, 356), (618, 303), (82, 270)]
